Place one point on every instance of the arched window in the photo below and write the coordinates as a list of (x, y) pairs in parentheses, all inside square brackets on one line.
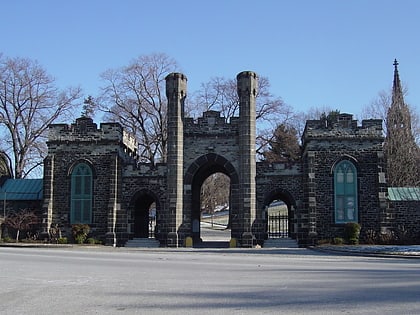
[(345, 192), (81, 194)]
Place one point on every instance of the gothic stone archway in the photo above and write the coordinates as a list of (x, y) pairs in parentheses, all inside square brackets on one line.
[(196, 174)]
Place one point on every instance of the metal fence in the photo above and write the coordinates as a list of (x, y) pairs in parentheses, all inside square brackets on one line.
[(278, 226), (152, 226)]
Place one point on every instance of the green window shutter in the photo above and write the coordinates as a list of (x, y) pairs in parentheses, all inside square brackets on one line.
[(345, 192), (81, 194)]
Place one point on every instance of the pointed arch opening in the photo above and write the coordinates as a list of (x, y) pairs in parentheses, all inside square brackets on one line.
[(212, 217), (279, 206)]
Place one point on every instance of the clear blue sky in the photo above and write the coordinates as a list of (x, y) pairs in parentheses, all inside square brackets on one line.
[(315, 52)]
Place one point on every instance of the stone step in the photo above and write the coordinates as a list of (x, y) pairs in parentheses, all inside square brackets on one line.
[(143, 242), (280, 243)]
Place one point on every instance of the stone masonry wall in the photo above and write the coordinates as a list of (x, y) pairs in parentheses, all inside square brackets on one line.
[(207, 142), (324, 146), (281, 181), (69, 145), (406, 219), (210, 134), (150, 178)]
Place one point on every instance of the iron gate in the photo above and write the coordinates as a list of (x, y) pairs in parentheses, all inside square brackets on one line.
[(278, 226), (152, 226)]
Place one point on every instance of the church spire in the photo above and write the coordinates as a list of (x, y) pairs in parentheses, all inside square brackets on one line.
[(397, 93), (400, 147)]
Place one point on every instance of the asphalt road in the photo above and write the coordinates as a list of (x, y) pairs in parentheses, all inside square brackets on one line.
[(204, 281)]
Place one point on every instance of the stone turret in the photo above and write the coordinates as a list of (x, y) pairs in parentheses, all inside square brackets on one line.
[(176, 92), (247, 83)]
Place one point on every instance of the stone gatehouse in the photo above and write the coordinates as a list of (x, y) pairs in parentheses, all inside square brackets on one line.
[(91, 176)]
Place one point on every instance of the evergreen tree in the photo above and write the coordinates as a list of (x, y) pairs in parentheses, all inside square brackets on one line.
[(284, 145)]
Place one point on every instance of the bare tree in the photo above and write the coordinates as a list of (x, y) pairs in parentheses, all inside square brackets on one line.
[(29, 103), (134, 96), (215, 191), (22, 220), (220, 94)]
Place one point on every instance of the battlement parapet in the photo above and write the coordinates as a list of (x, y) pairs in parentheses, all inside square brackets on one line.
[(343, 128), (145, 170), (86, 131), (211, 123)]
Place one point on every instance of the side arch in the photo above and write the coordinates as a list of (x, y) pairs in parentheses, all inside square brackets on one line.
[(282, 194), (5, 164), (141, 217), (279, 225)]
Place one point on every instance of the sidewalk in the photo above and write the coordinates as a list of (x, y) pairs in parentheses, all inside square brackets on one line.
[(406, 251)]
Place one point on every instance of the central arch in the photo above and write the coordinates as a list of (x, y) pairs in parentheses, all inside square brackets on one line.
[(197, 173)]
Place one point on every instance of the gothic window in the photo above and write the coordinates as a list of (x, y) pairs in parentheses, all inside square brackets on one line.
[(81, 194), (345, 192)]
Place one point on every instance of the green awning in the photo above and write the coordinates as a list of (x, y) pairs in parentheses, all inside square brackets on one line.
[(404, 193), (22, 189)]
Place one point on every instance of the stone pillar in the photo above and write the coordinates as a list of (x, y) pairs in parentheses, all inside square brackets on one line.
[(48, 190), (113, 204), (311, 197), (385, 215), (176, 91), (247, 91)]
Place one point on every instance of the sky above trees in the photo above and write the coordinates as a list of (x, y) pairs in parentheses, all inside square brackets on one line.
[(315, 53)]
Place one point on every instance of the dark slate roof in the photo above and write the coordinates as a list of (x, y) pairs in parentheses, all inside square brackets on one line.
[(404, 193), (22, 189)]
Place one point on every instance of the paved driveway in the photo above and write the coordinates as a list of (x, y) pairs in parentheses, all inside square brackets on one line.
[(204, 281)]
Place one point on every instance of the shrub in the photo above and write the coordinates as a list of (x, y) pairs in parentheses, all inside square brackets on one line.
[(8, 239), (80, 232), (402, 236), (386, 238), (370, 237), (338, 241), (323, 242), (62, 240), (91, 241), (352, 233)]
